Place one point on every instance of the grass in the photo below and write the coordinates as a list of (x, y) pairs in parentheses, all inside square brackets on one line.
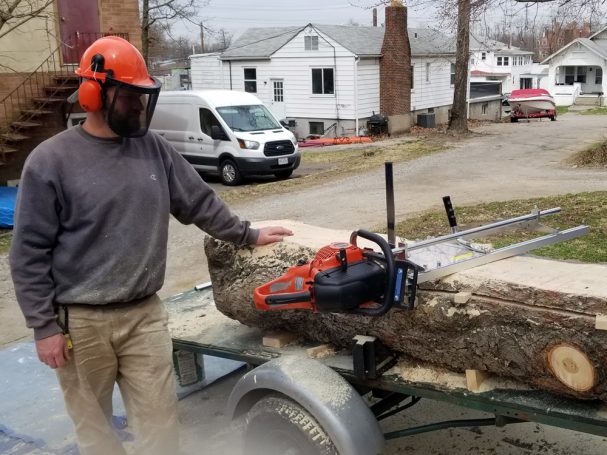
[(560, 110), (332, 164), (593, 156), (583, 208), (595, 111), (5, 241)]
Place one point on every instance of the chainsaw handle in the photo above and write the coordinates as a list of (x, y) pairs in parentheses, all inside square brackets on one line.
[(285, 299), (390, 271)]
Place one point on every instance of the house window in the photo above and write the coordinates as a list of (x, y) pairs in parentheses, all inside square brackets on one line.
[(278, 91), (506, 61), (499, 61), (483, 56), (311, 43), (322, 81), (427, 72), (569, 75), (317, 128), (598, 76), (581, 74), (250, 80), (452, 73), (412, 77), (484, 108)]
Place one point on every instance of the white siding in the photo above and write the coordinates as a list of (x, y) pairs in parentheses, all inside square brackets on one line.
[(438, 91), (368, 87), (208, 72), (294, 64)]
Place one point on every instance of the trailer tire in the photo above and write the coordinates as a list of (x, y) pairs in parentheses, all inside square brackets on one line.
[(513, 119), (553, 118), (276, 425)]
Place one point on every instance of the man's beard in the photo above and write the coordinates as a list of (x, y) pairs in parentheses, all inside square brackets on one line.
[(125, 125)]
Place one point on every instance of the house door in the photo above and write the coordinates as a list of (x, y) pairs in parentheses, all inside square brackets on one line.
[(277, 106), (78, 26)]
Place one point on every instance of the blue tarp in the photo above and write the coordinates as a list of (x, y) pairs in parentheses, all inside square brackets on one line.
[(8, 198)]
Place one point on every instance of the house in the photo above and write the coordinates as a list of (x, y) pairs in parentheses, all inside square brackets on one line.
[(325, 79), (37, 65), (499, 68), (575, 74)]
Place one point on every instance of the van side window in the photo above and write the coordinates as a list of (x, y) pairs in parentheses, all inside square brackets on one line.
[(207, 120)]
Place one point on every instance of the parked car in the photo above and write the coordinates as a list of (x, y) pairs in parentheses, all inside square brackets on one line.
[(227, 132)]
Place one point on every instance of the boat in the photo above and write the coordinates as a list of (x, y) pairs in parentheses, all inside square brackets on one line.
[(532, 102)]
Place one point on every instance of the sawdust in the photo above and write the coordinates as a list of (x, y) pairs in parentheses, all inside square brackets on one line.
[(412, 371), (193, 316), (326, 384)]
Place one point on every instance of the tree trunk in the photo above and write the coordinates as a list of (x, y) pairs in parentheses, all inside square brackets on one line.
[(526, 318), (458, 121), (145, 29)]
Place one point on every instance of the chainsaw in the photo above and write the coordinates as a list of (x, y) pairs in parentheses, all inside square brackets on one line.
[(345, 278)]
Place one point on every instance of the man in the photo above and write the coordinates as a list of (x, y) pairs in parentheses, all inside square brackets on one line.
[(89, 252)]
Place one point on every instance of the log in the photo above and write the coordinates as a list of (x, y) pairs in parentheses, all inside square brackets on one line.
[(526, 318)]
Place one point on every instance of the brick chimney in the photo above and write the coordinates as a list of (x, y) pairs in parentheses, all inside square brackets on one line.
[(395, 66)]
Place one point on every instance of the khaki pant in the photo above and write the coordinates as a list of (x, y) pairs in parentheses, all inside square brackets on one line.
[(130, 346)]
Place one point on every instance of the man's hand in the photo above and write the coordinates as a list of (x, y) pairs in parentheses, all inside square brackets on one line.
[(272, 234), (53, 351)]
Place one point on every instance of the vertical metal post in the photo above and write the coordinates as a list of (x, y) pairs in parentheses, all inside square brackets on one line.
[(390, 203)]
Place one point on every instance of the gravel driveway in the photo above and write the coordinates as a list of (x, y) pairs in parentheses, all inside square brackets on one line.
[(499, 162)]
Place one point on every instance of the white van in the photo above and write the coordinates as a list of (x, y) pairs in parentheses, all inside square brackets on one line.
[(227, 132)]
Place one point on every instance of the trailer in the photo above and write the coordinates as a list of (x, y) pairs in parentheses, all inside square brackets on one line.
[(289, 401)]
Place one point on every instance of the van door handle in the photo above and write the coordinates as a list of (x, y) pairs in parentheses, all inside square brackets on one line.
[(200, 139), (191, 138), (161, 134)]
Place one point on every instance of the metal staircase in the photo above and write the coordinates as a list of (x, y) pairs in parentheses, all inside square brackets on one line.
[(41, 93)]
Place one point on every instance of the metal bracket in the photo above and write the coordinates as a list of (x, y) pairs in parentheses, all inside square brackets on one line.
[(370, 358)]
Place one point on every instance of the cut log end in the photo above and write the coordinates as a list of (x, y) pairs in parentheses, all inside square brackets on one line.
[(572, 367)]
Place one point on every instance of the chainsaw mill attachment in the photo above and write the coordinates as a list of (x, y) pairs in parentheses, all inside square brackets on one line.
[(344, 278)]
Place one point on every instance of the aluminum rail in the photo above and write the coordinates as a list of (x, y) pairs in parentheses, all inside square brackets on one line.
[(484, 229)]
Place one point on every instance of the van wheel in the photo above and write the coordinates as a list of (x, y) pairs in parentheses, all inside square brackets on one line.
[(283, 174), (278, 426), (229, 173)]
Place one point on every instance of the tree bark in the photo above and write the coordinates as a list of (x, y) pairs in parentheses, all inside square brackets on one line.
[(541, 334), (458, 121)]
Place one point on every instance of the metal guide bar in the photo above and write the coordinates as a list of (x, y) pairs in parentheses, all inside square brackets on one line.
[(502, 253), (485, 230)]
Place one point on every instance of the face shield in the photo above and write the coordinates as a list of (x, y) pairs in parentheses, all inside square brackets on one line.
[(129, 108)]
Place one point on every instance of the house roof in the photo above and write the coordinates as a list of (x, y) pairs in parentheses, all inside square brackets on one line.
[(586, 42), (597, 33), (487, 73), (260, 43), (478, 43)]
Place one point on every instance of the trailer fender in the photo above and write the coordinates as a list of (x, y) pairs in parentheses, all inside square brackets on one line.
[(331, 400)]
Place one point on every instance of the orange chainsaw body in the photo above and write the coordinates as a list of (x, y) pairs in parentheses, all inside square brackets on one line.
[(297, 283)]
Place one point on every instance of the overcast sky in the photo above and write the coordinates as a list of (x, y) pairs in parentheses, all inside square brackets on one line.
[(235, 16)]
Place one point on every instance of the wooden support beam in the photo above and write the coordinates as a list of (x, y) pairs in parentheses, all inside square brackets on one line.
[(279, 339), (474, 379)]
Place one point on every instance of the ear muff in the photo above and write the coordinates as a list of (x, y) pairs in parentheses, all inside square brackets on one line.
[(90, 96)]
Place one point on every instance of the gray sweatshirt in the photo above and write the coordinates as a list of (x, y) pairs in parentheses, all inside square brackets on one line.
[(91, 222)]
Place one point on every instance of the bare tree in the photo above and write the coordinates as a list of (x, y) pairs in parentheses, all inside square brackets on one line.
[(458, 120), (15, 13), (164, 13)]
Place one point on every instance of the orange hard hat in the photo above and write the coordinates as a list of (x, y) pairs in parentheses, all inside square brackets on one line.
[(112, 57)]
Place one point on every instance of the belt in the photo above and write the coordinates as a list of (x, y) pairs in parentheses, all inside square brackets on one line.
[(105, 306)]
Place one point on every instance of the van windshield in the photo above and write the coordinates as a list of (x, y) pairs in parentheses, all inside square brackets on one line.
[(248, 118)]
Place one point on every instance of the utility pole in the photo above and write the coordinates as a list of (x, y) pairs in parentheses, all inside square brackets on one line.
[(201, 38)]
